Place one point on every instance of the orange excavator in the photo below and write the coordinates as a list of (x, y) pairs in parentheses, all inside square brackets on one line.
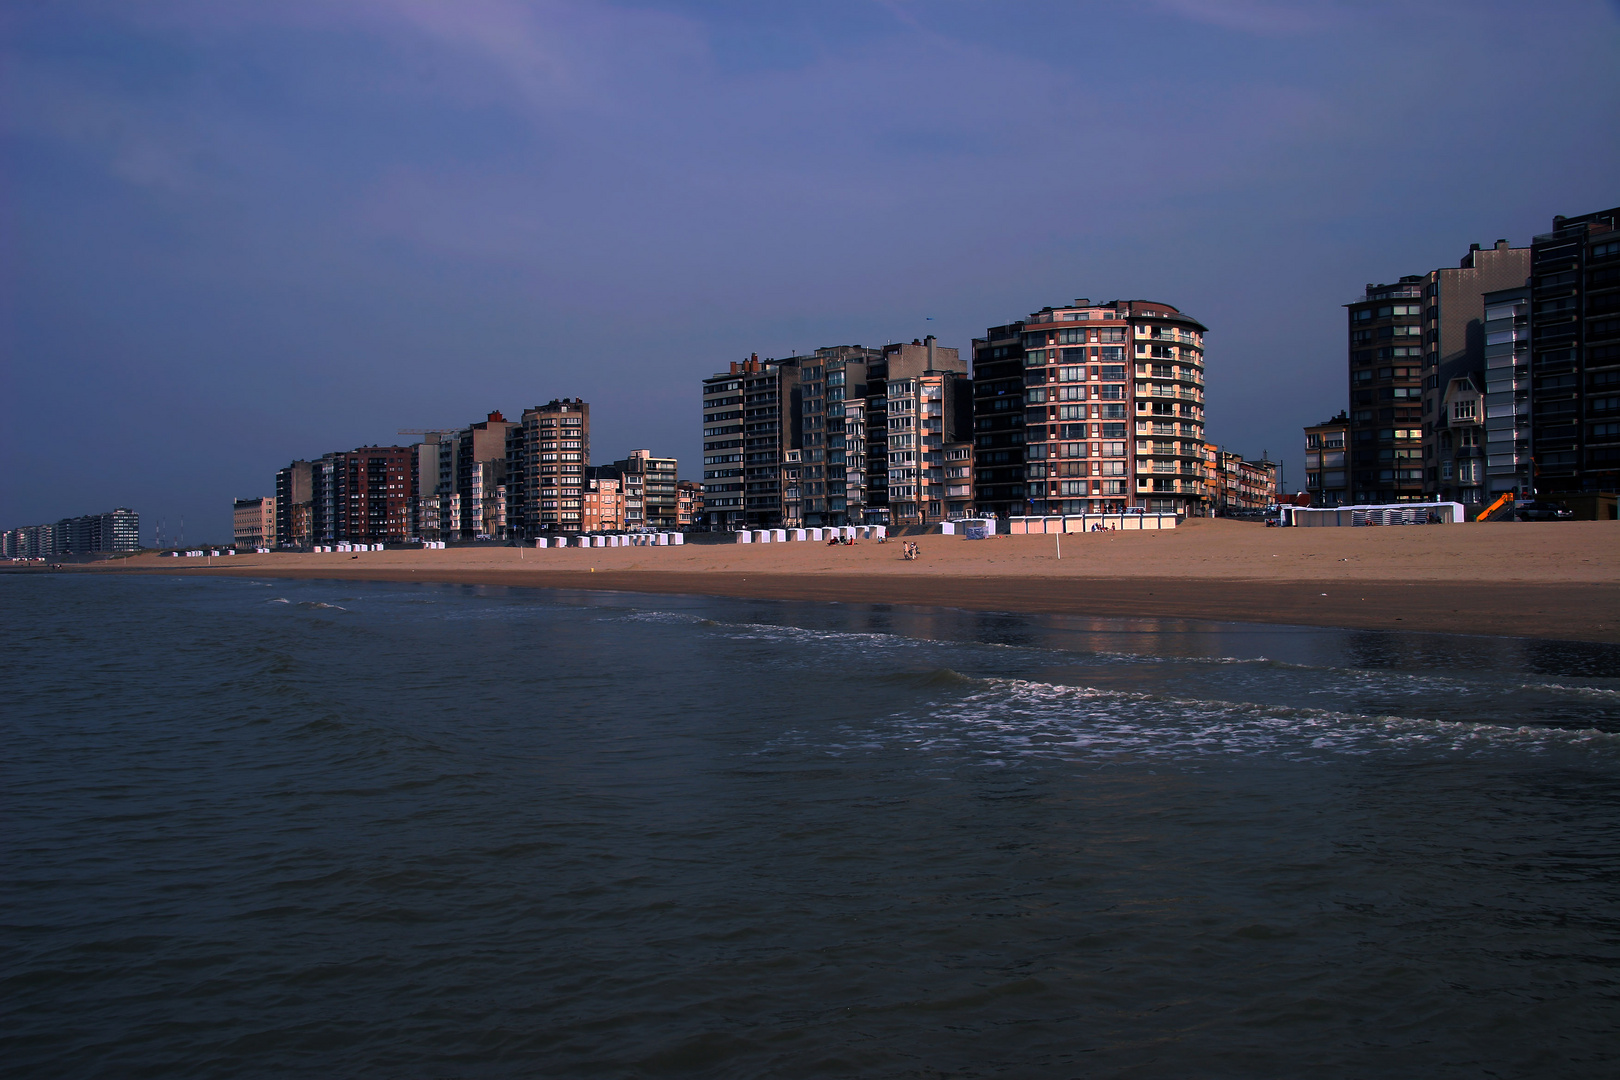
[(1504, 499)]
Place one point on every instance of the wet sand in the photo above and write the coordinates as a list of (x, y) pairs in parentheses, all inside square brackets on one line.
[(1555, 580)]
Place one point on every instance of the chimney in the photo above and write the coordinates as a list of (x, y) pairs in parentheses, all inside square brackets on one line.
[(496, 417), (1501, 245), (930, 340), (734, 367)]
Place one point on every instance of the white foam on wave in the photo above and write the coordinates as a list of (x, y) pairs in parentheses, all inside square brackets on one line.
[(1016, 717)]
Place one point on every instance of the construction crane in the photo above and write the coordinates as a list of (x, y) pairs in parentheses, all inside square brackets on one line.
[(426, 431)]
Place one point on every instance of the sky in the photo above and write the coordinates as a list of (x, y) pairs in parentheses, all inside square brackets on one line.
[(235, 234)]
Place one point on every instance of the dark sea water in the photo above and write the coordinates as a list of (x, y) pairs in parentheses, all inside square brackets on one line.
[(325, 829)]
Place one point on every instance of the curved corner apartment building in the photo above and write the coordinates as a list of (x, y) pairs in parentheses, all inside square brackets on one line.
[(1112, 416)]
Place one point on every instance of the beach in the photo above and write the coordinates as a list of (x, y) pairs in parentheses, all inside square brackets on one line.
[(1552, 580)]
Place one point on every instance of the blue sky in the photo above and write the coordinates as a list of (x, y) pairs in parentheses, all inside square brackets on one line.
[(240, 233)]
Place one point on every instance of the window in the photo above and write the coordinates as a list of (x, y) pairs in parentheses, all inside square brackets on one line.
[(1114, 373), (1463, 409)]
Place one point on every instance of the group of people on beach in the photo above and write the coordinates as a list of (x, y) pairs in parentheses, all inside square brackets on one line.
[(841, 541), (913, 551)]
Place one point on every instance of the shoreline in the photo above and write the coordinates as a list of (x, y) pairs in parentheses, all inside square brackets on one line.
[(1553, 581)]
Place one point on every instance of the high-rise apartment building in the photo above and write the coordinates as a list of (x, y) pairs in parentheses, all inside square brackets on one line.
[(362, 495), (748, 428), (1326, 463), (1386, 392), (547, 457), (1575, 354), (927, 402), (832, 420), (1112, 411), (253, 522)]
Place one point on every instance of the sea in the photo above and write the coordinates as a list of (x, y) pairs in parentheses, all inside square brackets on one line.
[(270, 828)]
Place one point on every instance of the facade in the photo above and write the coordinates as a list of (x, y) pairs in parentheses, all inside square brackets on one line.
[(647, 485), (688, 504), (602, 506), (1414, 346), (958, 469), (927, 402), (999, 484), (1507, 392), (1386, 393), (1575, 354), (253, 522), (92, 534), (294, 505), (471, 487), (1326, 469), (1454, 355), (1458, 449), (1113, 411), (831, 468), (428, 510)]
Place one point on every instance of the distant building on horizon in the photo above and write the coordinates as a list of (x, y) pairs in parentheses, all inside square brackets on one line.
[(90, 534)]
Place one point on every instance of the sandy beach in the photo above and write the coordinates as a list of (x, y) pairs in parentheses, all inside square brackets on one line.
[(1555, 580)]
